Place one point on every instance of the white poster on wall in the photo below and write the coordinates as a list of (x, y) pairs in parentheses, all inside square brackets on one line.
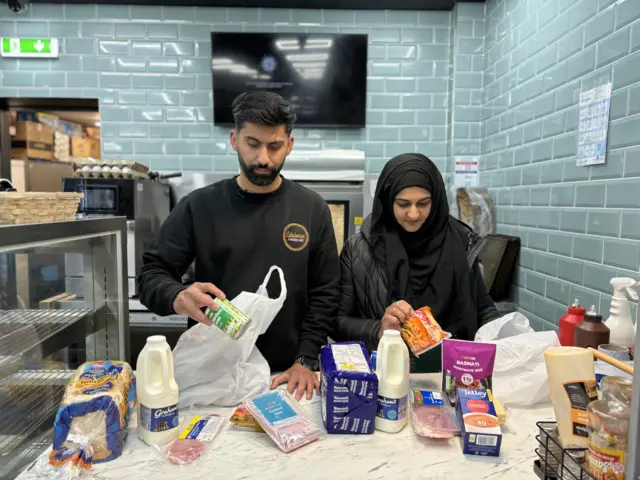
[(594, 125), (467, 172)]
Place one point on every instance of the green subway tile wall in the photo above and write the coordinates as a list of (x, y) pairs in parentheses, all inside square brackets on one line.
[(500, 80), (538, 55), (150, 68)]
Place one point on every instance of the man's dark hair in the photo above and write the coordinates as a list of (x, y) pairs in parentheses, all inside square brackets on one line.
[(263, 108)]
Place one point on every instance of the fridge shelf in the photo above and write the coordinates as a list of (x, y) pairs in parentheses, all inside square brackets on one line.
[(29, 399), (22, 330)]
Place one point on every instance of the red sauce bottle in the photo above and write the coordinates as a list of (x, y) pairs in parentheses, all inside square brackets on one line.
[(568, 323)]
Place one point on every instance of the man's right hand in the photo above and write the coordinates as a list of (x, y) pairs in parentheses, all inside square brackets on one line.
[(190, 301), (395, 315)]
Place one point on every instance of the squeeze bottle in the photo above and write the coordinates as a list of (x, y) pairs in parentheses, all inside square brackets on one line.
[(392, 369), (568, 323), (592, 332), (157, 393), (572, 384), (620, 322)]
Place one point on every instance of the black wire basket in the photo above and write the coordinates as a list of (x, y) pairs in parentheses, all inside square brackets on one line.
[(556, 462)]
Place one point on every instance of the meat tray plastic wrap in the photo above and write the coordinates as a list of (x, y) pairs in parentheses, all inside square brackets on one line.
[(194, 440), (349, 388), (283, 420), (430, 416), (95, 410)]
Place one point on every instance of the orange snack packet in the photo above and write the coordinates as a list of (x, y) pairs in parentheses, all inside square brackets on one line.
[(422, 332), (243, 420)]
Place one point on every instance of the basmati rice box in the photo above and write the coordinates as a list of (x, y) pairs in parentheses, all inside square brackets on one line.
[(349, 388), (479, 424)]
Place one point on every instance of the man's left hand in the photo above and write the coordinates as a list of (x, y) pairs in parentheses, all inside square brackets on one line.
[(300, 379)]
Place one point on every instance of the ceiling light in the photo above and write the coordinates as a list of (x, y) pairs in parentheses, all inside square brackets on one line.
[(288, 44)]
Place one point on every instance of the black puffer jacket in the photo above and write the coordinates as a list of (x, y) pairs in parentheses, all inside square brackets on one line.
[(364, 290)]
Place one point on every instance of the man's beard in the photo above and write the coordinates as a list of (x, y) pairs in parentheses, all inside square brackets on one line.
[(259, 179)]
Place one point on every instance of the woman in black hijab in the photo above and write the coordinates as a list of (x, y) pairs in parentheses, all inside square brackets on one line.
[(411, 253)]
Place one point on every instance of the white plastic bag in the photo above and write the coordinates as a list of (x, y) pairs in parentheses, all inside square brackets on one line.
[(519, 372), (211, 368), (507, 326)]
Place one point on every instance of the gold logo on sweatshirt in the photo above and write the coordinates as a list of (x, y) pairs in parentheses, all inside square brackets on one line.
[(295, 237)]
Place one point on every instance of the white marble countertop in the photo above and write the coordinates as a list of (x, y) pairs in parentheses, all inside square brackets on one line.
[(237, 455)]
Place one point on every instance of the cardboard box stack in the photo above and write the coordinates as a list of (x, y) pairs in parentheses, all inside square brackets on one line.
[(85, 147), (42, 136), (32, 140)]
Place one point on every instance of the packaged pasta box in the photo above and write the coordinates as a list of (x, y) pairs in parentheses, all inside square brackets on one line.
[(422, 332), (481, 433)]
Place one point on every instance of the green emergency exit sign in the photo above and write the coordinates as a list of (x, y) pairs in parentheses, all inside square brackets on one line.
[(30, 47)]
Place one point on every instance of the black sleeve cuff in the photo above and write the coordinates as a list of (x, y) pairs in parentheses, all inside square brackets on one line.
[(309, 349), (170, 294)]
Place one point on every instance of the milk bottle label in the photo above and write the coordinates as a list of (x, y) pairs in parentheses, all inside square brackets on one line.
[(159, 419), (392, 408)]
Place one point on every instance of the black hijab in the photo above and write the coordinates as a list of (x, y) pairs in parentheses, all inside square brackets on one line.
[(427, 267)]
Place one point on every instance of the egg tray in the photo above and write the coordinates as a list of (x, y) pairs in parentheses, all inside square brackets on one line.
[(128, 176), (131, 164)]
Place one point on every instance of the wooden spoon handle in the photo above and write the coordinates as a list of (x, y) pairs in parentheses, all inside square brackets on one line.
[(612, 361)]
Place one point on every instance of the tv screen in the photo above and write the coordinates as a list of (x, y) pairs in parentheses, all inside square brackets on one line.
[(323, 75)]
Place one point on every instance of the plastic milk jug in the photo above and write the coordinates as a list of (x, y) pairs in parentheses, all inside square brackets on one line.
[(392, 368), (157, 393)]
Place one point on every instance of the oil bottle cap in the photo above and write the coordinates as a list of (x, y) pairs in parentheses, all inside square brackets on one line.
[(576, 302), (592, 315)]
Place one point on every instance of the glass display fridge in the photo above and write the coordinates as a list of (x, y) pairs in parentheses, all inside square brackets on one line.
[(46, 332)]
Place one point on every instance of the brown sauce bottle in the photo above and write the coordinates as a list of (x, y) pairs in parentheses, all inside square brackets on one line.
[(591, 332)]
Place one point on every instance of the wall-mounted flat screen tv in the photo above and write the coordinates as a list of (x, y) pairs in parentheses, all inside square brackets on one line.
[(323, 75)]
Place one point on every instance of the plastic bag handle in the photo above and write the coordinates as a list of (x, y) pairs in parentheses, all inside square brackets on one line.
[(283, 284)]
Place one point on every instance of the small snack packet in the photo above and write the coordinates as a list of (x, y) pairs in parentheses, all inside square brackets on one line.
[(243, 420), (422, 332)]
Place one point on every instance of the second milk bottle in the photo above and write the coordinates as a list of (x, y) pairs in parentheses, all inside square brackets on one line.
[(157, 393), (392, 368)]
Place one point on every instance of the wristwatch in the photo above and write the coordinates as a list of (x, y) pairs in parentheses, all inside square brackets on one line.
[(308, 362)]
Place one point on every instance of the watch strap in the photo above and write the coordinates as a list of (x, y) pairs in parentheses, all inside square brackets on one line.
[(308, 362)]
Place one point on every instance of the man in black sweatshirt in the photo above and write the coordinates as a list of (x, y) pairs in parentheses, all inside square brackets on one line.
[(237, 228)]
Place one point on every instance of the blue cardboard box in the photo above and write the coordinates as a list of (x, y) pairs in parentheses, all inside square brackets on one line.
[(349, 388), (479, 425)]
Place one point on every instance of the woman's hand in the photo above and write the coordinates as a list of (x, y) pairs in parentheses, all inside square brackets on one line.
[(395, 315)]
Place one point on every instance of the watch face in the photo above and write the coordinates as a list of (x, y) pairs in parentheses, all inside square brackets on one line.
[(308, 362)]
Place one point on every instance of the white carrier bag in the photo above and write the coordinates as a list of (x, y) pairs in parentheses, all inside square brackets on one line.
[(211, 368)]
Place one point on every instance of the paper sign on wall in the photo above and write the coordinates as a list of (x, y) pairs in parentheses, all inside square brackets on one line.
[(467, 172), (594, 124)]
